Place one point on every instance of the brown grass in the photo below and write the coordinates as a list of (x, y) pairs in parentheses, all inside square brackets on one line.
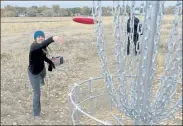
[(82, 62)]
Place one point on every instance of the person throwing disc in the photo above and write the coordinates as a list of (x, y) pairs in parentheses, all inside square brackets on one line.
[(36, 68)]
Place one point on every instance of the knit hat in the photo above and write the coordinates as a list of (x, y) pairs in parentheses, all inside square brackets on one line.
[(38, 33)]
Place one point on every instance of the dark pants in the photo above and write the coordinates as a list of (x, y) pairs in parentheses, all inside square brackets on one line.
[(36, 81), (135, 39)]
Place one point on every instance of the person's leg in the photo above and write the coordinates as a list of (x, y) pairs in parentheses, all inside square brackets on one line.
[(135, 43), (35, 82), (138, 45), (128, 47), (43, 74)]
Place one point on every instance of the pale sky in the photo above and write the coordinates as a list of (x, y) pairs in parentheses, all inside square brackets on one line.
[(66, 4)]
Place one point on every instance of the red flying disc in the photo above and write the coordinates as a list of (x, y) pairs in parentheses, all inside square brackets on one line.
[(83, 20)]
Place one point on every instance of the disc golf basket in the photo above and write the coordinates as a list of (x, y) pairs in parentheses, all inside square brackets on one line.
[(135, 94)]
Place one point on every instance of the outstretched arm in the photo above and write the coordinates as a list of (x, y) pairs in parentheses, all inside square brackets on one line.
[(42, 45), (46, 42)]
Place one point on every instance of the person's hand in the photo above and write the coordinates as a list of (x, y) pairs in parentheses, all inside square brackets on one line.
[(51, 66), (58, 39)]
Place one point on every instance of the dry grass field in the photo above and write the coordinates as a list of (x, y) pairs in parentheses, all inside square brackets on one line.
[(81, 62)]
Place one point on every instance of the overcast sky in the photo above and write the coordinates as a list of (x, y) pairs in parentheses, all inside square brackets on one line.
[(65, 4)]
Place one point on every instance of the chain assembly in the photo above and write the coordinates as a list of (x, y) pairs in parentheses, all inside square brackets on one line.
[(139, 105)]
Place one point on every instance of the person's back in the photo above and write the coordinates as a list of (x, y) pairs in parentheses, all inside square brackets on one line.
[(136, 22), (135, 33)]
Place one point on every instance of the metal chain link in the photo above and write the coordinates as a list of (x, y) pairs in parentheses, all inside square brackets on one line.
[(166, 88), (97, 15), (139, 32), (132, 49), (141, 87), (156, 40), (124, 41), (142, 64), (118, 54)]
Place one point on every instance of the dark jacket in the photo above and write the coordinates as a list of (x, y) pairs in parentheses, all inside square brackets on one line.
[(37, 56), (136, 22)]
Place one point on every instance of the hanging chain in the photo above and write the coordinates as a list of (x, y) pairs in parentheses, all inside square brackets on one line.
[(118, 55), (143, 57), (156, 40), (168, 85), (132, 50), (141, 86), (97, 15)]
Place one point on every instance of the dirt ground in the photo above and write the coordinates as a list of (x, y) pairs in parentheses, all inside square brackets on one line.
[(81, 62)]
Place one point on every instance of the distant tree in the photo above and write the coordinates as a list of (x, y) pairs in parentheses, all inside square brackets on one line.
[(49, 13), (8, 8), (109, 11), (10, 11), (85, 10), (73, 11), (169, 10), (56, 9), (76, 10), (41, 9), (70, 12), (32, 12), (35, 7), (21, 10), (104, 11), (63, 12)]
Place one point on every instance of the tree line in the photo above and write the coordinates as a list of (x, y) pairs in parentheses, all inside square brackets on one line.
[(57, 11)]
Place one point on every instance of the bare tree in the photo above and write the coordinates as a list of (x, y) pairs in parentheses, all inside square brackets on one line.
[(32, 12), (85, 10)]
